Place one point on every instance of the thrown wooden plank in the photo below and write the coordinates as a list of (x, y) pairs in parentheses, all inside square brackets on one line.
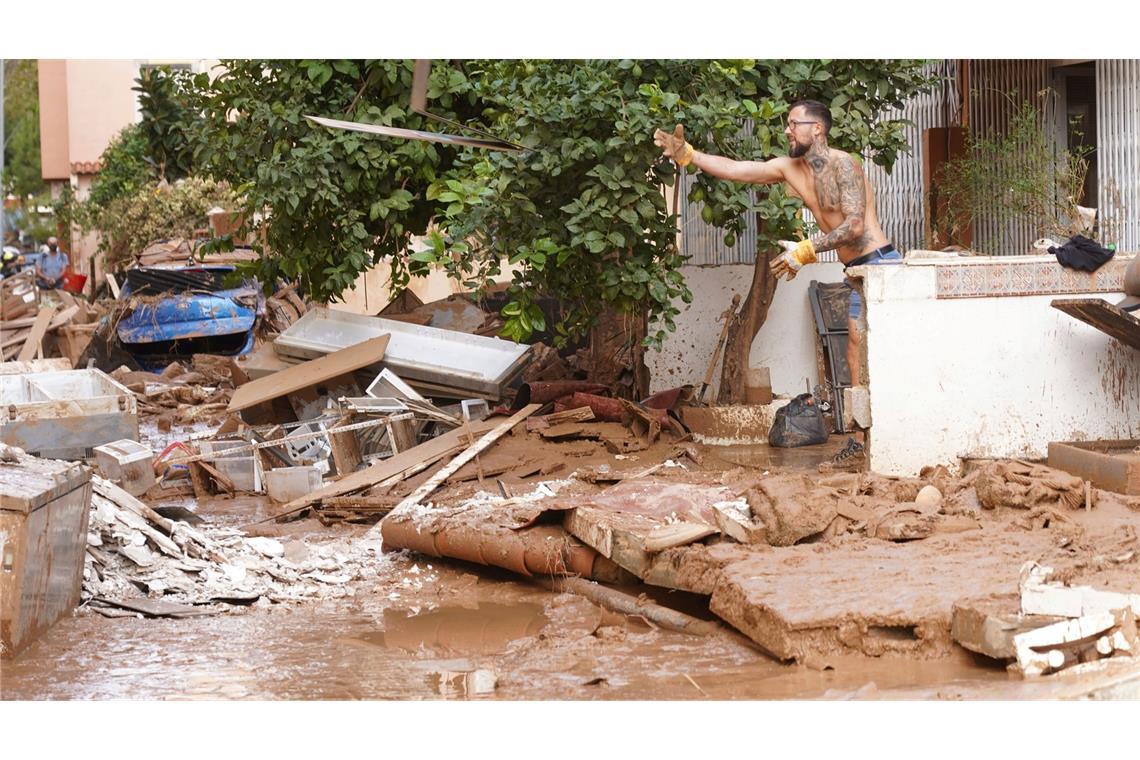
[(114, 286), (310, 373), (39, 329), (482, 444)]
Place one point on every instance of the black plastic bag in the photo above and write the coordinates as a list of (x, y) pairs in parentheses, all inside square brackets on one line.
[(800, 423)]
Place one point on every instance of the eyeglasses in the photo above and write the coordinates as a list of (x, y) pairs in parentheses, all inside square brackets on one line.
[(793, 123)]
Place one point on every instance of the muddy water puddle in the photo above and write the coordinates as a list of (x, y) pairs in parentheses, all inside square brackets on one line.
[(462, 636)]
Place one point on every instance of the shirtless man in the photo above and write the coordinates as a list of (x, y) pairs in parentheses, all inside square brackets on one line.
[(832, 185)]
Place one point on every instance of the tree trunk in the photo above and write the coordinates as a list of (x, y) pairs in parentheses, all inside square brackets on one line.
[(742, 332), (615, 357)]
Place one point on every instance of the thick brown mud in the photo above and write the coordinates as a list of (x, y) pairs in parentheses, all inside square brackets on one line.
[(404, 642)]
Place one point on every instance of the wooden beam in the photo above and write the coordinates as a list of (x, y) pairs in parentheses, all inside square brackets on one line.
[(482, 444)]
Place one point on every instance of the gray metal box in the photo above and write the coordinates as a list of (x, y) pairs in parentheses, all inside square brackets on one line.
[(44, 507)]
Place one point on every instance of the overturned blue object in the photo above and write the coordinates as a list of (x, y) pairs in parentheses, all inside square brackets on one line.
[(180, 312)]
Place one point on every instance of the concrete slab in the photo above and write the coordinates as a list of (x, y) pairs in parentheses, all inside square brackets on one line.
[(872, 597)]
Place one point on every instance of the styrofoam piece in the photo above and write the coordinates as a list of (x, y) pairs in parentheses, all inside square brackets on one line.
[(416, 352), (127, 462), (284, 484), (389, 385)]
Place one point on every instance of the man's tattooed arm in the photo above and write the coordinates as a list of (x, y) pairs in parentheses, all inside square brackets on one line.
[(853, 202)]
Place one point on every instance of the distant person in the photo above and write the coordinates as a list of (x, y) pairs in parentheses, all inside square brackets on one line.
[(51, 265)]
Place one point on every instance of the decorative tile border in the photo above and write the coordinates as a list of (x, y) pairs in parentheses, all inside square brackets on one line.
[(1002, 277)]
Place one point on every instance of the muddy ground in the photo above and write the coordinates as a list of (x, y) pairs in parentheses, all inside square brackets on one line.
[(421, 628)]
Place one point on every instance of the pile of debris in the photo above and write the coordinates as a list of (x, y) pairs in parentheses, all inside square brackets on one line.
[(182, 395), (1049, 626), (36, 325), (142, 562)]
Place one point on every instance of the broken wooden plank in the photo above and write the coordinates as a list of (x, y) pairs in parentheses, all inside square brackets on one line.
[(156, 608), (310, 373), (676, 534), (568, 430), (36, 336), (345, 447), (581, 414), (483, 443), (1106, 317), (112, 285)]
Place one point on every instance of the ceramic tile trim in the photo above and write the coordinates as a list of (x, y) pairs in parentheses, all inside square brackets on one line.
[(1025, 278)]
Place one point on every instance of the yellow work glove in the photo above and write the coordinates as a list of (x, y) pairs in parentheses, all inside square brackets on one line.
[(795, 255), (674, 145)]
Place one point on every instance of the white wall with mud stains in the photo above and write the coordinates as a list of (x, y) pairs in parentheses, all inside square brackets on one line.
[(998, 375), (785, 344)]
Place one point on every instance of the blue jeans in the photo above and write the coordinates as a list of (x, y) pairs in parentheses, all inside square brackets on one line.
[(880, 256)]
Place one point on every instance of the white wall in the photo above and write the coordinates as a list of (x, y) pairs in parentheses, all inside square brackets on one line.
[(994, 376), (785, 344)]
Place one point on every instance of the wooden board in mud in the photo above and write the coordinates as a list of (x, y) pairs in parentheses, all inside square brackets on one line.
[(1103, 316)]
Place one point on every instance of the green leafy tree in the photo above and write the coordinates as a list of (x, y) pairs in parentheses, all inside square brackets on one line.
[(22, 173), (166, 123), (582, 212)]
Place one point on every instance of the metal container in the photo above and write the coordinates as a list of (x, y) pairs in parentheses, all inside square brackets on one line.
[(65, 414), (44, 506), (439, 361)]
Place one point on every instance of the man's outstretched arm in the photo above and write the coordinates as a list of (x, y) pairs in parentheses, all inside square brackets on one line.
[(675, 147)]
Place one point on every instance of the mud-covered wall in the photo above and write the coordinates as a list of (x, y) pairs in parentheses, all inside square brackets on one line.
[(967, 359), (785, 344)]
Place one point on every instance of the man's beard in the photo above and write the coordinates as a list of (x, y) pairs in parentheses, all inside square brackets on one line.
[(795, 150)]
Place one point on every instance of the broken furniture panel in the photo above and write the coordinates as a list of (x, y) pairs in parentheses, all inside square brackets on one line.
[(67, 413), (451, 362), (44, 506)]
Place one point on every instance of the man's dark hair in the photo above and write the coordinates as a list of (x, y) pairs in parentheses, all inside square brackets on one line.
[(817, 111)]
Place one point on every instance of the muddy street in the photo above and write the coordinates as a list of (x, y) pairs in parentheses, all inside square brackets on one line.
[(416, 635)]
